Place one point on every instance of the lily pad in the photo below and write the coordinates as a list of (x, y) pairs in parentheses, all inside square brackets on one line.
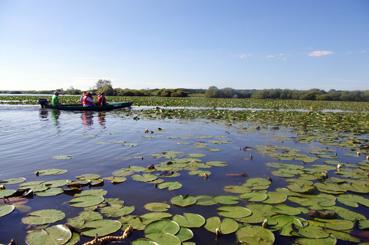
[(51, 171), (183, 201), (7, 193), (189, 220), (255, 235), (45, 216), (184, 234), (234, 212), (227, 226), (86, 201), (170, 185), (157, 206), (204, 200), (227, 200), (164, 238), (6, 209), (162, 226), (100, 227), (56, 235)]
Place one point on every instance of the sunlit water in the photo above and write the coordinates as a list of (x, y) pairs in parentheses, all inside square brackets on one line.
[(103, 142)]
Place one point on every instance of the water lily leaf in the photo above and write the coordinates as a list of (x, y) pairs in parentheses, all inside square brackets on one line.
[(343, 236), (259, 213), (162, 226), (196, 155), (255, 196), (285, 223), (204, 200), (50, 192), (334, 224), (323, 241), (45, 216), (257, 183), (183, 201), (134, 221), (216, 163), (57, 235), (100, 227), (154, 216), (255, 235), (13, 181), (117, 211), (234, 212), (238, 189), (144, 177), (144, 241), (353, 200), (311, 231), (51, 171), (6, 209), (285, 209), (301, 186), (212, 224), (227, 200), (88, 177), (184, 234), (7, 193), (56, 183), (74, 240), (170, 185), (92, 192), (157, 206), (275, 198), (86, 201), (363, 224), (123, 172), (189, 220), (347, 214), (164, 238), (116, 179)]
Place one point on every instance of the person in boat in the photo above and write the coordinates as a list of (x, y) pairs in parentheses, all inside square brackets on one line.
[(81, 98), (101, 99), (55, 99), (88, 100)]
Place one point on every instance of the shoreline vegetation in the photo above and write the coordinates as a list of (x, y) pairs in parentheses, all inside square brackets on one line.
[(214, 92)]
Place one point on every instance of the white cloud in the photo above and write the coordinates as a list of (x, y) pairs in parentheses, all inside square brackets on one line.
[(320, 53), (244, 56), (280, 56)]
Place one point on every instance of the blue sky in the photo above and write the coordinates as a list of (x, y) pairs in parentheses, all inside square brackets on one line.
[(177, 43)]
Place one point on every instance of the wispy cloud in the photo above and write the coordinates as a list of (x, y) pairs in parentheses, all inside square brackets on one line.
[(280, 56), (320, 53), (243, 56)]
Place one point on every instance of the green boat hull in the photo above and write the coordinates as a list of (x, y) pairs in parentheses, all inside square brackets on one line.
[(78, 107)]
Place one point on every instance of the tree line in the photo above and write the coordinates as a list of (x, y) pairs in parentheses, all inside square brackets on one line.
[(214, 92), (311, 94)]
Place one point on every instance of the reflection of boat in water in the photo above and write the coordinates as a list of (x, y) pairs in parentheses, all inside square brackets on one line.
[(77, 107)]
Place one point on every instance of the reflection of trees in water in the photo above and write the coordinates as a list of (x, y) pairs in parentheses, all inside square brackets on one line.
[(87, 118)]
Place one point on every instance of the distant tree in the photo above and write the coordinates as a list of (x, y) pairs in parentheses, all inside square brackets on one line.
[(104, 86), (101, 83), (212, 92), (72, 91)]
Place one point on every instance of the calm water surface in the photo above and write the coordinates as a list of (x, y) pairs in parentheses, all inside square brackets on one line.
[(103, 142)]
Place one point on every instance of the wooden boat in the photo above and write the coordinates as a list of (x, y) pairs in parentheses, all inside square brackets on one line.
[(78, 107)]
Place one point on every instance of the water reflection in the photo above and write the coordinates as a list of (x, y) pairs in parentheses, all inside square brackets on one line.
[(55, 117), (43, 114), (87, 118), (101, 118)]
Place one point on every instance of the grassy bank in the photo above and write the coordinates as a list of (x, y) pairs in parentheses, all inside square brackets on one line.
[(208, 102)]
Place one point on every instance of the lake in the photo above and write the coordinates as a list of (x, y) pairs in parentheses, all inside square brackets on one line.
[(198, 157)]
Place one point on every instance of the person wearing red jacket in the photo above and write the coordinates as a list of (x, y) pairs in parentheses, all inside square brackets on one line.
[(101, 99), (88, 100)]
